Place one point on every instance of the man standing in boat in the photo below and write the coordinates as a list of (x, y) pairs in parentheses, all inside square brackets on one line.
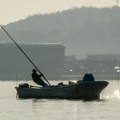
[(37, 78)]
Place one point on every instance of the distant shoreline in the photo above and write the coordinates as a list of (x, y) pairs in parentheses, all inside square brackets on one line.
[(72, 77)]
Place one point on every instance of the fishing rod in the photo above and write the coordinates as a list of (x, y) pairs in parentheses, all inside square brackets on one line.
[(23, 53)]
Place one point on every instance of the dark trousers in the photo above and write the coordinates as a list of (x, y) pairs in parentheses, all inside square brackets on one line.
[(40, 82)]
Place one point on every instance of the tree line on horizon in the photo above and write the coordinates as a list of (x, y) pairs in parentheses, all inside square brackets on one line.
[(81, 30)]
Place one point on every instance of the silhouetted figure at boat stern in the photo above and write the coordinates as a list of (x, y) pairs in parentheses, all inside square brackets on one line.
[(37, 78)]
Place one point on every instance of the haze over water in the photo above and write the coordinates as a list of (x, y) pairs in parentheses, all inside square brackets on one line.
[(106, 108)]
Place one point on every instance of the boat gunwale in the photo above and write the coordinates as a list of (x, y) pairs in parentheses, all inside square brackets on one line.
[(64, 86)]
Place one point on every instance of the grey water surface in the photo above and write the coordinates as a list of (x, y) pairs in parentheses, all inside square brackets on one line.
[(107, 108)]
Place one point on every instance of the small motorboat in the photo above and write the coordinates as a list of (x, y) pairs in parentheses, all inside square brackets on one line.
[(78, 90)]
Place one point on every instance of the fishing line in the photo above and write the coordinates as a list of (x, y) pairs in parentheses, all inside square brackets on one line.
[(23, 53)]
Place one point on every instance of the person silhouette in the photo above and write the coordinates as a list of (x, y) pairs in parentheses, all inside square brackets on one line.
[(37, 78)]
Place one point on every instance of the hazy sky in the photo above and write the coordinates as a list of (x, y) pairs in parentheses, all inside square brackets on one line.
[(13, 10)]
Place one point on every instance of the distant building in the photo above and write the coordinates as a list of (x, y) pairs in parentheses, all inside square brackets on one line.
[(100, 65), (104, 56), (49, 58)]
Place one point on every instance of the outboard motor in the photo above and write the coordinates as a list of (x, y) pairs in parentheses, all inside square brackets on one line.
[(88, 78)]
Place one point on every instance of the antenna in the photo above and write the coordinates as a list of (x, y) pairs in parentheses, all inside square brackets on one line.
[(117, 3)]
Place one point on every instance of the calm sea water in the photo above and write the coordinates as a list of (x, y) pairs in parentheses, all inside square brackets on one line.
[(107, 108)]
